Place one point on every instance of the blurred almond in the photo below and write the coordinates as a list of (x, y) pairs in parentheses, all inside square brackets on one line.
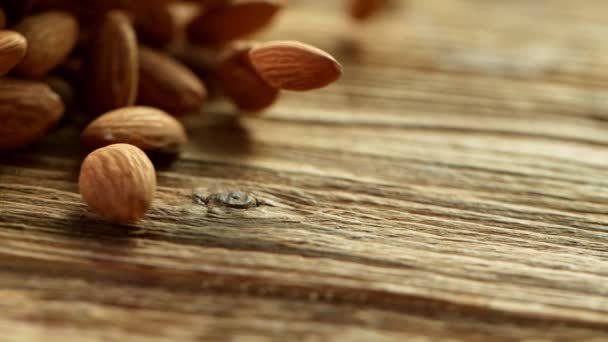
[(243, 85), (364, 9), (148, 128), (51, 36), (28, 110), (12, 49), (112, 69), (3, 19), (210, 4), (294, 66), (232, 21), (63, 88), (167, 84), (155, 23)]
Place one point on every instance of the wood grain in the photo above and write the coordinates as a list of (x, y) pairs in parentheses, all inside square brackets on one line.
[(451, 187)]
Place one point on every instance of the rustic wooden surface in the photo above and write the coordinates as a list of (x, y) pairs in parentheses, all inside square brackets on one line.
[(453, 186)]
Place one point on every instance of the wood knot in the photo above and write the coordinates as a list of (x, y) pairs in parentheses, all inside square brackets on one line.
[(231, 199)]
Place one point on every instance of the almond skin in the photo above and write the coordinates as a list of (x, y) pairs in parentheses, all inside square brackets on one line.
[(224, 23), (364, 9), (27, 111), (243, 85), (51, 36), (155, 25), (12, 49), (2, 19), (118, 183), (291, 65), (150, 129), (112, 64), (167, 84)]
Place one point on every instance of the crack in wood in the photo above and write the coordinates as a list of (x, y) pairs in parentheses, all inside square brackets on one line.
[(230, 199)]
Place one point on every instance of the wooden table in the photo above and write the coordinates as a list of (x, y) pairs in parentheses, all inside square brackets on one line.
[(454, 185)]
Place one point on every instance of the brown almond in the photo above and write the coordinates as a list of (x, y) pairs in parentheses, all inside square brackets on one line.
[(63, 88), (51, 36), (3, 19), (243, 85), (155, 25), (167, 84), (232, 21), (291, 65), (112, 70), (210, 4), (28, 110), (364, 9), (148, 128), (118, 183), (12, 49)]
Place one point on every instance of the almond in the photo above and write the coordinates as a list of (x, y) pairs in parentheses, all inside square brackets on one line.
[(167, 84), (118, 183), (27, 111), (2, 19), (209, 4), (291, 65), (63, 88), (155, 25), (12, 49), (148, 128), (243, 85), (51, 36), (364, 9), (112, 64), (232, 21)]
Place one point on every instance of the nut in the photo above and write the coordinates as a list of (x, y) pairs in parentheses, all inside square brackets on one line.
[(112, 64), (118, 183), (148, 128), (364, 9), (2, 19), (243, 85), (224, 23), (27, 111), (154, 21), (294, 66), (51, 36), (12, 49), (167, 84)]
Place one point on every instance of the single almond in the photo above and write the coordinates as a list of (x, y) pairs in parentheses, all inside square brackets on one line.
[(294, 66), (155, 24), (118, 183), (243, 85), (148, 128), (12, 49), (210, 4), (28, 110), (224, 23), (112, 70), (364, 9), (167, 84), (3, 19), (51, 36)]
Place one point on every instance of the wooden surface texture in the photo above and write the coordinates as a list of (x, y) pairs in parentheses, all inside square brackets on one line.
[(453, 186)]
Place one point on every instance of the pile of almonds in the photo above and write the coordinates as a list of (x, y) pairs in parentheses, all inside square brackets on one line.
[(130, 69)]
